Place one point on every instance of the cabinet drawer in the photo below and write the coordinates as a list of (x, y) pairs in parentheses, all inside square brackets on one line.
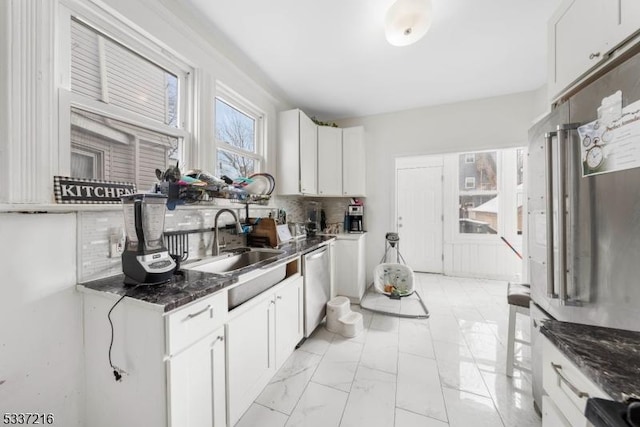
[(186, 325), (567, 386)]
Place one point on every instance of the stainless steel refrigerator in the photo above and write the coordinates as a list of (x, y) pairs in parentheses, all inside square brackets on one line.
[(583, 232)]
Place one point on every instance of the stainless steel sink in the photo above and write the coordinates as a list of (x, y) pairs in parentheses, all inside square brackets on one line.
[(229, 263), (251, 282)]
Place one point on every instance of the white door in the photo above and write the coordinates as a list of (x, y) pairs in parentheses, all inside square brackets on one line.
[(419, 217)]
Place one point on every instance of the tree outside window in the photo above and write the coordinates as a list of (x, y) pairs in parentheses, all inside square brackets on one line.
[(237, 142)]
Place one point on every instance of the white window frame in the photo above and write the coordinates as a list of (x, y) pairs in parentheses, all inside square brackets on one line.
[(234, 100), (97, 157), (459, 237), (506, 163), (133, 39)]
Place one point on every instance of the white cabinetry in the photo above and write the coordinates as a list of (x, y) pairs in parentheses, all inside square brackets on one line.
[(297, 153), (173, 363), (582, 33), (250, 362), (353, 162), (261, 334), (350, 274), (289, 320), (197, 384), (319, 160), (567, 390), (329, 160)]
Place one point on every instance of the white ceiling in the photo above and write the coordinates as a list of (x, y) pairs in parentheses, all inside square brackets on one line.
[(331, 58)]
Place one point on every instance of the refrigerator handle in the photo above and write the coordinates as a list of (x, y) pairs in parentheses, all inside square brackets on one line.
[(564, 141), (548, 175), (562, 218)]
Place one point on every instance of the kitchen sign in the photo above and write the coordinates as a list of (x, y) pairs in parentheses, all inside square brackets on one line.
[(90, 191)]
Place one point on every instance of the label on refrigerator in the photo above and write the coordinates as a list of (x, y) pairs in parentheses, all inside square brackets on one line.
[(611, 144)]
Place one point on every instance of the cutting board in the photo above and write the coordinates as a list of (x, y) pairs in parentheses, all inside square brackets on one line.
[(266, 227)]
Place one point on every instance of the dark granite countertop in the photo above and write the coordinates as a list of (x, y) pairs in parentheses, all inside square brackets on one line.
[(192, 285), (609, 357)]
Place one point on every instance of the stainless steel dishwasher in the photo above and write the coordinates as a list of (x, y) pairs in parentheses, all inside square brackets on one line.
[(316, 268)]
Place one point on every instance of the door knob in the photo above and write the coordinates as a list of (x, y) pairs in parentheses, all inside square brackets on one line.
[(400, 218), (399, 225)]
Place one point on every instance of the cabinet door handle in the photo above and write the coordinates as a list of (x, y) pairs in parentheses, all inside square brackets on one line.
[(594, 55), (279, 297), (218, 339), (562, 378), (272, 302), (198, 313), (2, 382)]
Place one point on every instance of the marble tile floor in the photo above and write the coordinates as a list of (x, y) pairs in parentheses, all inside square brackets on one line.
[(447, 370)]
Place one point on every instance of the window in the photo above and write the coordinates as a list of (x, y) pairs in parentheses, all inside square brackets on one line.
[(238, 140), (104, 148), (86, 164), (469, 183), (125, 110), (478, 193)]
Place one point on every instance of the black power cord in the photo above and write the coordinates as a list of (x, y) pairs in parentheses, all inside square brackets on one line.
[(116, 371)]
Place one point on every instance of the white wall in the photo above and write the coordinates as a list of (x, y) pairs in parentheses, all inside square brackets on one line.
[(40, 312), (40, 317), (497, 122)]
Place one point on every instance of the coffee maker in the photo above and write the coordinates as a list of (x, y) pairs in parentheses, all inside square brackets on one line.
[(312, 216), (145, 259), (355, 219)]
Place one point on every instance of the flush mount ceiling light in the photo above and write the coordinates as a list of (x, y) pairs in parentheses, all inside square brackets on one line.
[(407, 21)]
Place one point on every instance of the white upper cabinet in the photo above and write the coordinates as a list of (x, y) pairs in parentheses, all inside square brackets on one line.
[(308, 156), (583, 33), (329, 160), (319, 160), (629, 18), (353, 162), (297, 153)]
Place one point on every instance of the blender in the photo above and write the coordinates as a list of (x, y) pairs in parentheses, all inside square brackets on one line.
[(145, 259)]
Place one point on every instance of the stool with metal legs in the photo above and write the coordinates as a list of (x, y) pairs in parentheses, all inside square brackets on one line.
[(518, 297)]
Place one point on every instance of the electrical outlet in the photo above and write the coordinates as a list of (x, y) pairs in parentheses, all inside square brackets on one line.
[(116, 244)]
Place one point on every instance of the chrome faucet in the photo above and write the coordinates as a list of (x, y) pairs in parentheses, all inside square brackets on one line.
[(216, 244)]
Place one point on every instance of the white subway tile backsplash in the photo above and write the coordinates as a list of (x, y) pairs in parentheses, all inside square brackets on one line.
[(96, 228)]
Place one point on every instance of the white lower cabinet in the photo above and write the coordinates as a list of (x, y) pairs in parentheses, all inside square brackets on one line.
[(173, 363), (197, 384), (197, 366), (261, 334), (566, 390), (350, 276), (551, 415), (289, 320)]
